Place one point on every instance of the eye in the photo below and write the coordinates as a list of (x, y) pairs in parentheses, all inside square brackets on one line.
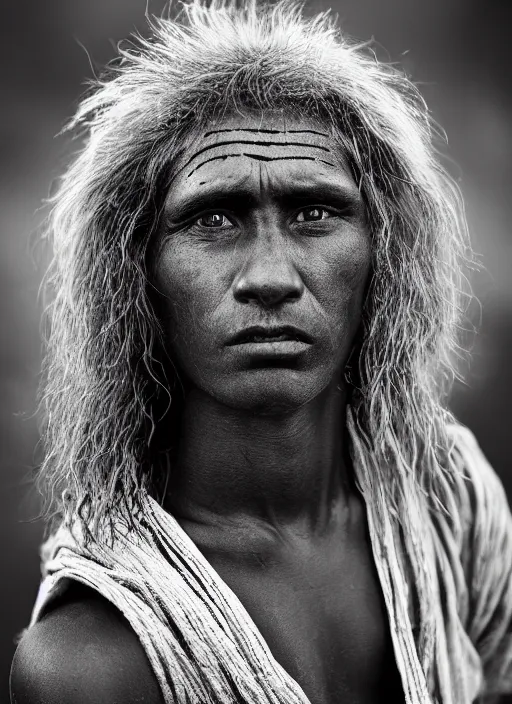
[(213, 220), (313, 214)]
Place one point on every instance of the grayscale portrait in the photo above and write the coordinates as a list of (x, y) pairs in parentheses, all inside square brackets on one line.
[(255, 482)]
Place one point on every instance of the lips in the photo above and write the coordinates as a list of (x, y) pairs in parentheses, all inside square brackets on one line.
[(272, 334), (269, 338)]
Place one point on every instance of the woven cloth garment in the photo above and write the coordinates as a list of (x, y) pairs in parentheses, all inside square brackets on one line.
[(204, 647)]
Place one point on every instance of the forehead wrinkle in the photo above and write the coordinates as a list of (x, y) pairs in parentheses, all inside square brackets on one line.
[(259, 157), (231, 184), (315, 143), (251, 142), (300, 182), (264, 131)]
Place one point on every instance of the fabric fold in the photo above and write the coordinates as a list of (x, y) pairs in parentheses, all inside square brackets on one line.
[(203, 645)]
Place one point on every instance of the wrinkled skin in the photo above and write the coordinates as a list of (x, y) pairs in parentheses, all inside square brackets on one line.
[(264, 225), (237, 249)]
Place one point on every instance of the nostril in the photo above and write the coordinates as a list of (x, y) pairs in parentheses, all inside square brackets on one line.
[(266, 294)]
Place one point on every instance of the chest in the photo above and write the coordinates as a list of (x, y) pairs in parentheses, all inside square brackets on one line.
[(321, 612)]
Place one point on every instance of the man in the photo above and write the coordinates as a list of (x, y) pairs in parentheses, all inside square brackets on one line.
[(257, 491)]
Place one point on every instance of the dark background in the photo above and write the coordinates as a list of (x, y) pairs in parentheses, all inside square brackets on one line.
[(457, 50)]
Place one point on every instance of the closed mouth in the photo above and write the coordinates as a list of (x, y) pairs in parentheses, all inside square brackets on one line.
[(270, 338), (260, 335)]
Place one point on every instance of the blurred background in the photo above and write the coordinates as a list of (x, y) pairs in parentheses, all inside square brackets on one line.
[(457, 50)]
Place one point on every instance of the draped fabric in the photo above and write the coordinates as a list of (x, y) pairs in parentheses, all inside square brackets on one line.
[(204, 647)]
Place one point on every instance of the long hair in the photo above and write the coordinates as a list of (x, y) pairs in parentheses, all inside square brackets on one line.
[(106, 388)]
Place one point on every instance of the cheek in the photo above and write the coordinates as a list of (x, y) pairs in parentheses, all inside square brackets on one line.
[(355, 258), (341, 285), (187, 293), (347, 266)]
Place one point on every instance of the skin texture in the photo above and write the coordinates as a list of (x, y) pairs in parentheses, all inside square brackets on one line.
[(263, 225), (82, 651), (261, 437)]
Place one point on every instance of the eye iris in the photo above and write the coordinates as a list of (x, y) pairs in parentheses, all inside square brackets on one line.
[(212, 220), (313, 214)]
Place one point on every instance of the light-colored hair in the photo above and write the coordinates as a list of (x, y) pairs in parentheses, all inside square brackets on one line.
[(105, 387)]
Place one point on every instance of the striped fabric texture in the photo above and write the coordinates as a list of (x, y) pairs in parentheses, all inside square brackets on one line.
[(204, 647)]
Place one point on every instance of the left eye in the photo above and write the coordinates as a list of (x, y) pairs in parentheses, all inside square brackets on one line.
[(313, 214), (213, 220)]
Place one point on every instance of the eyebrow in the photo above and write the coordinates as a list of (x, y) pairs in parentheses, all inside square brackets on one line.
[(265, 131), (260, 157), (240, 197), (257, 143)]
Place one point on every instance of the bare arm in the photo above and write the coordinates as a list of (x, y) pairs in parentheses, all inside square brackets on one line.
[(84, 652)]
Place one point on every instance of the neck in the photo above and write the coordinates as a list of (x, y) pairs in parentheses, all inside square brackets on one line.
[(285, 469)]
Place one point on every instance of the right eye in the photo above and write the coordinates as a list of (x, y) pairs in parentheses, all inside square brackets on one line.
[(213, 220), (314, 214)]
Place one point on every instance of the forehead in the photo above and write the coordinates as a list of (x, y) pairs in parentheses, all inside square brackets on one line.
[(236, 147), (272, 125)]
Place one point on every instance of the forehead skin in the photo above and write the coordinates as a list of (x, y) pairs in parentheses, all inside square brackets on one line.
[(231, 150)]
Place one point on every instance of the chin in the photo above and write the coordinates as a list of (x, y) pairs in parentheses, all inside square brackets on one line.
[(268, 391)]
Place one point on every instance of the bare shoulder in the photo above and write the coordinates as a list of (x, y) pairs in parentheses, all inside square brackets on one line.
[(83, 651)]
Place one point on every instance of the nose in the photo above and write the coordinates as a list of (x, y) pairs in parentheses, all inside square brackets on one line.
[(268, 277)]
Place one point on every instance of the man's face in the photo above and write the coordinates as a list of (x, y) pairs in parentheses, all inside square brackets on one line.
[(263, 226)]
